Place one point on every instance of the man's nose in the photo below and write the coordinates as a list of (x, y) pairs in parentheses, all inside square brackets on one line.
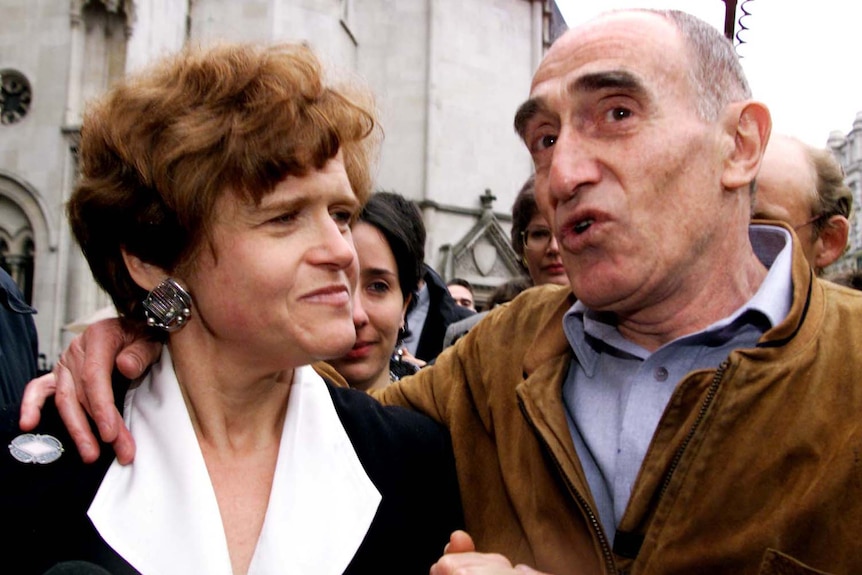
[(573, 164)]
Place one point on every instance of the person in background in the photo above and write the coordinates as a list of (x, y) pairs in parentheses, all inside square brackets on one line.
[(503, 293), (215, 204), (390, 261), (507, 291), (851, 279), (533, 240), (462, 292), (804, 187), (19, 343), (696, 408), (435, 310)]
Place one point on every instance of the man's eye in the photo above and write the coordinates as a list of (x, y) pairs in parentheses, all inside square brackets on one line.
[(544, 142), (618, 114)]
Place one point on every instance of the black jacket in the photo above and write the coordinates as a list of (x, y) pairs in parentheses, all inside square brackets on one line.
[(19, 347), (407, 456), (442, 311)]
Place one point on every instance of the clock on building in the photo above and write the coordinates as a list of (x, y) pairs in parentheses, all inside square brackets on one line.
[(15, 95)]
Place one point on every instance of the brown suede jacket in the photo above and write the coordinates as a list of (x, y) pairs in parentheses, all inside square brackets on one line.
[(754, 468)]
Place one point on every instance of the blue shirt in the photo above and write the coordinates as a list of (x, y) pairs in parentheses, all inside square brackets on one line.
[(416, 319), (616, 391)]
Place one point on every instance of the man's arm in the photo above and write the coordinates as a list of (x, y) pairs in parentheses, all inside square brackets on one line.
[(81, 381)]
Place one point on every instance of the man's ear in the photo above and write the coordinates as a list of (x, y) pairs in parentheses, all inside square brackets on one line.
[(147, 276), (750, 124), (831, 241)]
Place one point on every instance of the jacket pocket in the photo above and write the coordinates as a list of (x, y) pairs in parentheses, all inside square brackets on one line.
[(777, 563)]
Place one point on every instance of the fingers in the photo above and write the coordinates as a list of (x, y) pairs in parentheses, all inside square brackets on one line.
[(90, 360), (35, 394), (459, 542), (102, 344), (73, 415), (124, 445), (139, 354), (472, 564), (526, 570), (407, 356)]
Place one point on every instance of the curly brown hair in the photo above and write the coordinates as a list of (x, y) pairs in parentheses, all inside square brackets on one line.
[(161, 147)]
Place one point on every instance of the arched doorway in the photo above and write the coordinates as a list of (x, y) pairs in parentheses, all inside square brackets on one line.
[(17, 247)]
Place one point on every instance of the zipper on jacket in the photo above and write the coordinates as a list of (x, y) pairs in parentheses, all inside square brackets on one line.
[(704, 407), (594, 521)]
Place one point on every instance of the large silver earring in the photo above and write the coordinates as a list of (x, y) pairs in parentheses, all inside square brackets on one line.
[(168, 306)]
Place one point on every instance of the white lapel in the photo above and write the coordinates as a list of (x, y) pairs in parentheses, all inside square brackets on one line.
[(322, 501), (161, 513)]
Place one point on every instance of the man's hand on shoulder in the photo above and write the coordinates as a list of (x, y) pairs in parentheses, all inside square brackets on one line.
[(81, 384)]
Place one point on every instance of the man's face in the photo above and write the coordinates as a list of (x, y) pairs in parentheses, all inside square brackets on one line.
[(627, 172), (786, 190), (462, 296)]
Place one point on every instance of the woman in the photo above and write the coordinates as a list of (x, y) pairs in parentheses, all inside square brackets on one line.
[(390, 252), (214, 206), (533, 240)]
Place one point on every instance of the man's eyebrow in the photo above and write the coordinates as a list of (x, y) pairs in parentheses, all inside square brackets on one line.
[(614, 79), (526, 112)]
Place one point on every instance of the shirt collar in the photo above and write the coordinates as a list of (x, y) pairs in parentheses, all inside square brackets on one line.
[(589, 332), (161, 515)]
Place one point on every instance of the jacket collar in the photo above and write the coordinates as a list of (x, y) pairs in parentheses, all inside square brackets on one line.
[(161, 515)]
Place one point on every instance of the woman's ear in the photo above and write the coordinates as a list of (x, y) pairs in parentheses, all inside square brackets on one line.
[(147, 276), (750, 124)]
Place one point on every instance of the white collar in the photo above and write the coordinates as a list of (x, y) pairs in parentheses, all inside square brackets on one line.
[(160, 513)]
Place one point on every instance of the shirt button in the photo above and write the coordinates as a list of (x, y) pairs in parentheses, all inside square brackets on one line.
[(660, 374)]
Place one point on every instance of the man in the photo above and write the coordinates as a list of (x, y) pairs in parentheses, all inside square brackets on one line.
[(427, 321), (19, 344), (462, 292), (684, 415), (804, 187)]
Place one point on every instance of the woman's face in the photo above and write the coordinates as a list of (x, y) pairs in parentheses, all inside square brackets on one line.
[(366, 366), (542, 254), (275, 289)]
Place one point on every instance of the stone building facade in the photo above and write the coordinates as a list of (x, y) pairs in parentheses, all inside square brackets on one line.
[(848, 149), (449, 75)]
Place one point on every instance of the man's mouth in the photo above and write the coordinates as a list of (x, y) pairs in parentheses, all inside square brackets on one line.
[(583, 225)]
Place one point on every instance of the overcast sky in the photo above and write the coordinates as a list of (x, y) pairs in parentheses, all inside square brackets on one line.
[(803, 62)]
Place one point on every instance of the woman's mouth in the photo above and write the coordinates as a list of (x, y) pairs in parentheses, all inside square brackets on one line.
[(360, 350)]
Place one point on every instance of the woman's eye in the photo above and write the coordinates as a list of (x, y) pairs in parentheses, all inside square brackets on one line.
[(344, 218), (378, 287), (284, 218)]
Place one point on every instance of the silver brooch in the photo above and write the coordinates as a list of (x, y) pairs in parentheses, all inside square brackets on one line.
[(35, 448)]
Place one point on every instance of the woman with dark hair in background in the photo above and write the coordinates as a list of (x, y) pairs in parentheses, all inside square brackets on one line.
[(390, 249)]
